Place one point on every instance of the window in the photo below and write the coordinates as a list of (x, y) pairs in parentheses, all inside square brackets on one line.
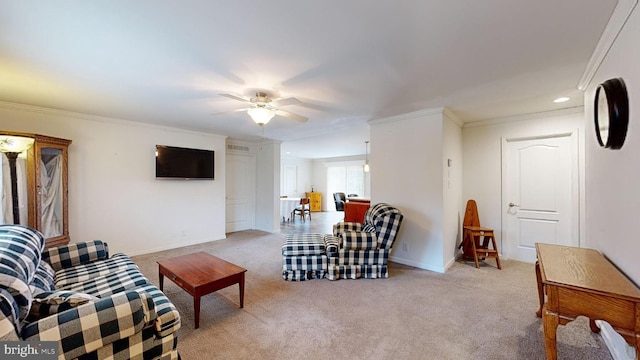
[(346, 179)]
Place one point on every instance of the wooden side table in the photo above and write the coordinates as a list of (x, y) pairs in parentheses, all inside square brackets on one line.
[(581, 281)]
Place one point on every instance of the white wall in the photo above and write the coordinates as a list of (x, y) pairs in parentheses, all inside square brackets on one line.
[(613, 176), (304, 175), (414, 185), (481, 156), (113, 193), (453, 205), (268, 186)]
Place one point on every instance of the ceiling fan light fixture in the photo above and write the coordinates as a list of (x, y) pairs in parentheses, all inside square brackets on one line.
[(261, 114)]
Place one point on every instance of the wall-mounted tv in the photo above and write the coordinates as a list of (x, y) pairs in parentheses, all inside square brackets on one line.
[(183, 163)]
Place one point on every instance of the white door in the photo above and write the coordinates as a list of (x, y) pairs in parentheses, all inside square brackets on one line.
[(240, 192), (540, 194)]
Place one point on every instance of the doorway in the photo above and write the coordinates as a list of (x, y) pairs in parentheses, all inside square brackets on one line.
[(240, 192), (540, 193)]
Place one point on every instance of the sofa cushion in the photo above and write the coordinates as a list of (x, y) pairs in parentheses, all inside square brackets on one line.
[(9, 324), (43, 279), (61, 257), (109, 284), (91, 271), (11, 283), (21, 249), (52, 302)]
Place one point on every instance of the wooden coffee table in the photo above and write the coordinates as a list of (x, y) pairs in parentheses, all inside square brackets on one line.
[(201, 274)]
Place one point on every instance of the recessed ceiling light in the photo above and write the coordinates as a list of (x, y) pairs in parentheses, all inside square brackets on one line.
[(561, 99)]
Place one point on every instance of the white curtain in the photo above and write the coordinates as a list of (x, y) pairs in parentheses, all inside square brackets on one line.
[(23, 199), (50, 193), (7, 205), (7, 199)]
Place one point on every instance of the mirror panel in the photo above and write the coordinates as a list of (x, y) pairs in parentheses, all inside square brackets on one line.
[(50, 192)]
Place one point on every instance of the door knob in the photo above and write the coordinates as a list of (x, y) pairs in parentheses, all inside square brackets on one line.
[(513, 205)]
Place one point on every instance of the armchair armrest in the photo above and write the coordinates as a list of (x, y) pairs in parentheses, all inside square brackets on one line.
[(331, 245), (93, 325), (342, 227), (359, 240), (64, 256)]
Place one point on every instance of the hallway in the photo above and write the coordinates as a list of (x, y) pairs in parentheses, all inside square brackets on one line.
[(321, 223)]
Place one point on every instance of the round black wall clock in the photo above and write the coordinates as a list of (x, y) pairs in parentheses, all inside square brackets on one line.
[(611, 113)]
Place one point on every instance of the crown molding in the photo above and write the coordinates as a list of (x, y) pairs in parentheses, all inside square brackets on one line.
[(408, 116), (618, 19), (82, 116), (530, 116), (453, 117)]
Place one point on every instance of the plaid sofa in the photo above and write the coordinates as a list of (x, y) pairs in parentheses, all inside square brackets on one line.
[(363, 249), (93, 305)]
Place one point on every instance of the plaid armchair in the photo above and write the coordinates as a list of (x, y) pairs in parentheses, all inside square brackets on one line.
[(93, 305), (361, 250)]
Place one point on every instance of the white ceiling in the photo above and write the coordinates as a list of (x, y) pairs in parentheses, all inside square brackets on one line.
[(166, 62)]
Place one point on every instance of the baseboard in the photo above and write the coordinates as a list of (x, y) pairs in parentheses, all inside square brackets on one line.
[(449, 263), (176, 245), (420, 265), (618, 347)]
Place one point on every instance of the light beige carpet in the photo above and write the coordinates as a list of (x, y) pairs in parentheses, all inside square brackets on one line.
[(466, 313)]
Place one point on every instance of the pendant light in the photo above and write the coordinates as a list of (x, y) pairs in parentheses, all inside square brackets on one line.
[(366, 156)]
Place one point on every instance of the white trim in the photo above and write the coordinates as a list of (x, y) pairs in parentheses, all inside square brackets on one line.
[(70, 114), (618, 19), (451, 261), (452, 116), (530, 116), (407, 116), (344, 163), (420, 265), (176, 245)]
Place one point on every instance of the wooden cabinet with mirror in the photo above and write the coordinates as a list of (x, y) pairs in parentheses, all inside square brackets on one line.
[(35, 184)]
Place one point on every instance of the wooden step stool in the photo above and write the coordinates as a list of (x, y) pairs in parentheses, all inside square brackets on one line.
[(471, 234)]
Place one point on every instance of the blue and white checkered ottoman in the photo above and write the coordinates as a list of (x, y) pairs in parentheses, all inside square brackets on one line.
[(304, 256)]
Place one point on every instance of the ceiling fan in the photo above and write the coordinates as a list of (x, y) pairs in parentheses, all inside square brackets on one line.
[(262, 108)]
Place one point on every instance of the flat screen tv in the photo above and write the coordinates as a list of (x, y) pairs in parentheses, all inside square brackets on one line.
[(183, 163)]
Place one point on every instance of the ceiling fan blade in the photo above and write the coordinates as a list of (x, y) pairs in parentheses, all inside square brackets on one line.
[(236, 97), (291, 115), (228, 112), (285, 101)]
